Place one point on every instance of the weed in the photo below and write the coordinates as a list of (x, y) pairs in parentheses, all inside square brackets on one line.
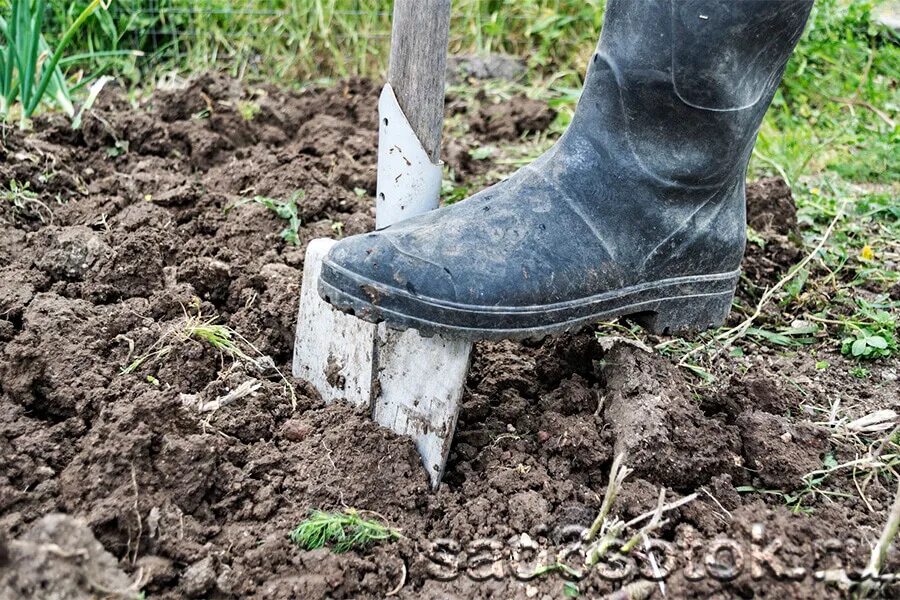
[(248, 110), (451, 192), (216, 335), (342, 531), (603, 535), (286, 210), (872, 333), (867, 346), (860, 372), (25, 201), (221, 337)]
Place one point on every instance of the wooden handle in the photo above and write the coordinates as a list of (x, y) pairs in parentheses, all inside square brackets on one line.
[(419, 39)]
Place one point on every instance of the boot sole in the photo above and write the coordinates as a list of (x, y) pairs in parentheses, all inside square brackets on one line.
[(676, 306)]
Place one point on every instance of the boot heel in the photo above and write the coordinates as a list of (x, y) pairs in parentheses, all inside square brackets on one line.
[(686, 315)]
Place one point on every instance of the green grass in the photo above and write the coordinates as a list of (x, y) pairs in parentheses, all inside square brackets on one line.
[(835, 110), (304, 40), (341, 531), (30, 71)]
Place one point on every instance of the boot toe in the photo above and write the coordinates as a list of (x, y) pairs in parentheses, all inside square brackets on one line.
[(371, 265)]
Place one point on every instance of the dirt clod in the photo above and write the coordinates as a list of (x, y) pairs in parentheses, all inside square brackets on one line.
[(509, 120), (59, 559), (662, 431), (778, 453)]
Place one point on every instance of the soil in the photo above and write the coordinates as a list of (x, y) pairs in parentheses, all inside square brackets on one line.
[(122, 230)]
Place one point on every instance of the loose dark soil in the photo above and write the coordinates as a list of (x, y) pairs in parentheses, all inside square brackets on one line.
[(127, 226)]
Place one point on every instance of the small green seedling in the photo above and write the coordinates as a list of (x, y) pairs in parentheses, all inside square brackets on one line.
[(866, 346), (26, 201), (860, 372), (872, 333), (342, 531), (286, 210), (248, 110)]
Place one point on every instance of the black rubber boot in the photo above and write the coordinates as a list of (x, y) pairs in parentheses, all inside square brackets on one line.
[(637, 210)]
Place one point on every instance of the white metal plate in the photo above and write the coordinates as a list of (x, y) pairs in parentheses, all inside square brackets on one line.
[(409, 184), (334, 351), (421, 382)]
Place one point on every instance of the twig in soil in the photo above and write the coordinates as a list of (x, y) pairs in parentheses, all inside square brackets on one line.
[(876, 422), (137, 513), (857, 102), (655, 522), (880, 551), (730, 336), (245, 389), (610, 530), (617, 475), (657, 574), (666, 508), (638, 590), (860, 489), (716, 500), (875, 460), (885, 441), (400, 585)]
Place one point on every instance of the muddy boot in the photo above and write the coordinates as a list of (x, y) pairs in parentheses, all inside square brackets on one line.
[(637, 210)]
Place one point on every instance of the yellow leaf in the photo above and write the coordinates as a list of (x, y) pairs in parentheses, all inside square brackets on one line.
[(866, 253)]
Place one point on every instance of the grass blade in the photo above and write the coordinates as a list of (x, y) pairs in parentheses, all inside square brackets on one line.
[(92, 97), (33, 42), (23, 20), (50, 67), (58, 88), (12, 58)]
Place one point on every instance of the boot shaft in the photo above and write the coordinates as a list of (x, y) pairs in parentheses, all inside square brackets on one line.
[(678, 88)]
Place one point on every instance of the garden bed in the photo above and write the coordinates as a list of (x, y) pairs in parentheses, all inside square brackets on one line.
[(116, 239)]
